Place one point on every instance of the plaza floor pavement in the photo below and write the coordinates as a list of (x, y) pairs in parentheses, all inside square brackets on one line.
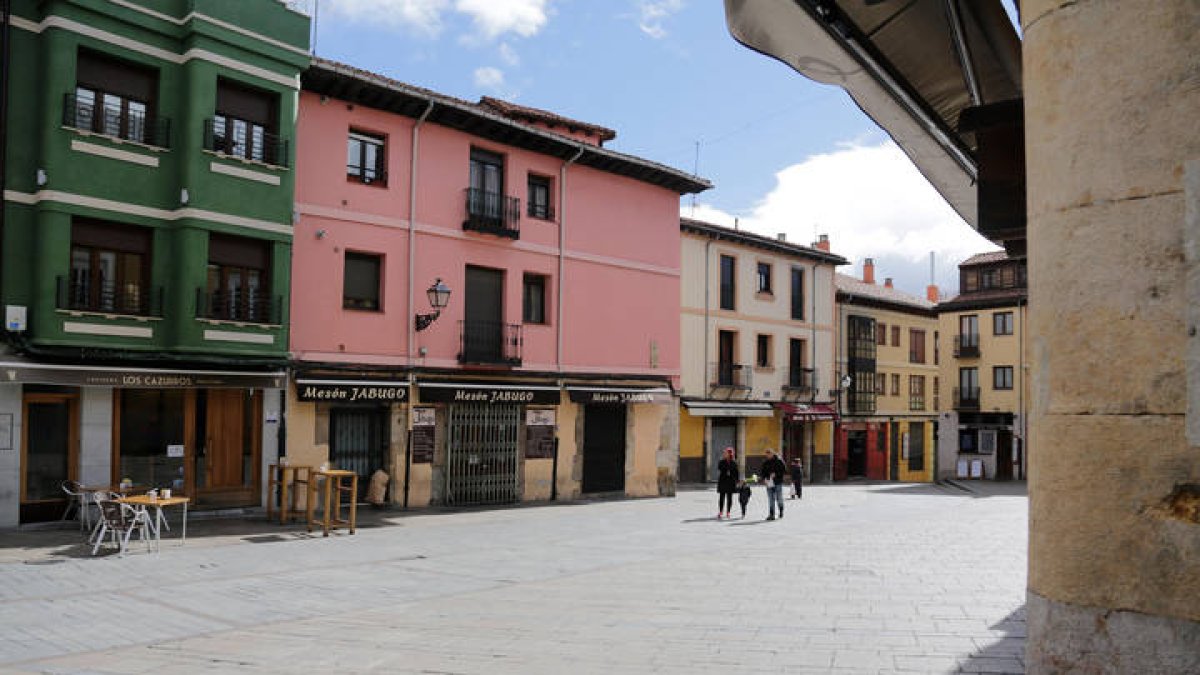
[(857, 578)]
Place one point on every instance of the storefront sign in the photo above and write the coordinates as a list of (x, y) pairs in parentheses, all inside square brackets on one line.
[(137, 378), (618, 396), (540, 417), (343, 391), (424, 417), (423, 437), (488, 394), (174, 451)]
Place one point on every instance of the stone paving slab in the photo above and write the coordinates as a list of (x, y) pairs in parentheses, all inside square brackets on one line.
[(855, 579)]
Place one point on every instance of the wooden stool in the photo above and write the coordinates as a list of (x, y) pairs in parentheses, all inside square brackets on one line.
[(334, 488), (285, 475)]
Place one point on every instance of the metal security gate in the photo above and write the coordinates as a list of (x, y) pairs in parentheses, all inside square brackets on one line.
[(358, 441), (482, 454)]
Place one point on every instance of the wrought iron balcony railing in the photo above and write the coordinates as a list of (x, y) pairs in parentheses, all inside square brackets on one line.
[(493, 213), (727, 374), (966, 398), (237, 306), (801, 380), (227, 138), (489, 342), (84, 295), (126, 125), (966, 345)]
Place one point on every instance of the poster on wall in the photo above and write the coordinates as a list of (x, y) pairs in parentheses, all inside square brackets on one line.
[(424, 421), (539, 433)]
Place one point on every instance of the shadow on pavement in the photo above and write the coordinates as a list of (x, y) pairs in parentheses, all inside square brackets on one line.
[(950, 488), (1004, 655)]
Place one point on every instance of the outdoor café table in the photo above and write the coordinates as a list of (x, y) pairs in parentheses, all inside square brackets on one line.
[(146, 501), (285, 476), (330, 481)]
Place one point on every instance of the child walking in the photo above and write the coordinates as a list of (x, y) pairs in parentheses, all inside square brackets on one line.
[(744, 493)]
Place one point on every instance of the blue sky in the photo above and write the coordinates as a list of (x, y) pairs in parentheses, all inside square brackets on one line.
[(785, 154)]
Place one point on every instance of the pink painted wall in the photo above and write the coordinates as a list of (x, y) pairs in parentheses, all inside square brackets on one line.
[(622, 240)]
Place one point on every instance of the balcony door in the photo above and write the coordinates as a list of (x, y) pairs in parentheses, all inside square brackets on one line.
[(725, 362), (484, 314)]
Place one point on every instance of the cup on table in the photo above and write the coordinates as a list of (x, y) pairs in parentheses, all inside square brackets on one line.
[(153, 494), (166, 493)]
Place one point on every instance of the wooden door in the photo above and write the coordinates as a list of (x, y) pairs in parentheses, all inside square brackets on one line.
[(225, 430)]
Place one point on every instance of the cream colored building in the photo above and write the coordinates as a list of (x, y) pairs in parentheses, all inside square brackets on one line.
[(985, 371), (757, 347), (889, 410)]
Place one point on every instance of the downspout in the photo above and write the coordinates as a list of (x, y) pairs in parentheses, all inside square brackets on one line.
[(812, 319), (412, 233), (704, 365), (562, 251), (6, 57)]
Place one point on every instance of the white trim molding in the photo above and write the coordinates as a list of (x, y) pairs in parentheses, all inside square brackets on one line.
[(217, 167), (107, 329), (145, 211), (114, 153), (232, 336)]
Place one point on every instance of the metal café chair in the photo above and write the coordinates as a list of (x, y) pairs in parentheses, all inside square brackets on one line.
[(78, 504), (120, 521)]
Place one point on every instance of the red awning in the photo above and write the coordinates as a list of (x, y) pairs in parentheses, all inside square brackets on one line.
[(800, 412)]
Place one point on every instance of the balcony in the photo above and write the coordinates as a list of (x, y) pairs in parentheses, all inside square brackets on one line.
[(492, 213), (966, 346), (966, 398), (730, 375), (235, 306), (801, 381), (126, 126), (489, 343), (81, 295), (237, 139)]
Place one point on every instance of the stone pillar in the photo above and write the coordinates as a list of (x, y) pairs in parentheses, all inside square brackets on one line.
[(1112, 90)]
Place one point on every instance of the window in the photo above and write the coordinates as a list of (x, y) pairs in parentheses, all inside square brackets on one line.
[(895, 384), (245, 125), (487, 181), (966, 441), (881, 334), (936, 394), (728, 266), (534, 299), (880, 384), (916, 392), (916, 346), (238, 287), (360, 284), (798, 377), (968, 386), (763, 352), (727, 367), (114, 98), (1002, 323), (365, 158), (539, 198), (895, 336), (110, 268), (969, 281), (1002, 377), (989, 279), (797, 294), (764, 278), (937, 348)]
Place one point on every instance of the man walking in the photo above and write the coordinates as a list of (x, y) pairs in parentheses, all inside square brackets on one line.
[(773, 471)]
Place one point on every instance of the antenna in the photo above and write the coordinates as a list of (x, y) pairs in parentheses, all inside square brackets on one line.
[(316, 19), (932, 275), (695, 174)]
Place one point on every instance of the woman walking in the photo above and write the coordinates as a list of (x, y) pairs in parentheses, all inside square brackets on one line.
[(727, 480)]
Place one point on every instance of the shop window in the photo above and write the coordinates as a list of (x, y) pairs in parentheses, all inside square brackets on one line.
[(115, 98), (238, 287), (110, 269), (534, 299), (150, 421), (539, 198), (360, 283), (245, 125), (365, 158)]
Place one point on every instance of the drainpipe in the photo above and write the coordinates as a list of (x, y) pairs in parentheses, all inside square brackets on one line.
[(412, 233), (812, 319), (6, 57), (704, 366), (562, 250)]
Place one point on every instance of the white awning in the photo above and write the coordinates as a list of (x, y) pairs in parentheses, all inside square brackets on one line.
[(728, 409)]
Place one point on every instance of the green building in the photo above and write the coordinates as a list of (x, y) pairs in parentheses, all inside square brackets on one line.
[(147, 233)]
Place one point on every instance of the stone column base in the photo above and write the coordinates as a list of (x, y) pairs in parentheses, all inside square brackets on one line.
[(1066, 638)]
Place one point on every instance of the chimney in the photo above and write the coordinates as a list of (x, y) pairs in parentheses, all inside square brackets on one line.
[(782, 236), (869, 271), (823, 243), (931, 292), (887, 283)]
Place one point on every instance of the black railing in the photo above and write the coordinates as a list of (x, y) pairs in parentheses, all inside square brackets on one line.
[(129, 126), (966, 398), (493, 213), (803, 380), (727, 374), (84, 295), (260, 147), (543, 211), (966, 345), (489, 342), (366, 175), (247, 308)]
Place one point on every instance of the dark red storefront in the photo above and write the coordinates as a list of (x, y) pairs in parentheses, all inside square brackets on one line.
[(860, 451)]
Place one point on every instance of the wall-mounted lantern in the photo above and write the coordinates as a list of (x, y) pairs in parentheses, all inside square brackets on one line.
[(439, 297)]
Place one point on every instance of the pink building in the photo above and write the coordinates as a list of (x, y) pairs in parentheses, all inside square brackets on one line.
[(552, 368)]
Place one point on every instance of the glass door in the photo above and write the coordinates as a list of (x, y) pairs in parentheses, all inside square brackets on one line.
[(49, 452)]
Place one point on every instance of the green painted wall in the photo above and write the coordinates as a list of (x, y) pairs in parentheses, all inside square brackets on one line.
[(258, 43)]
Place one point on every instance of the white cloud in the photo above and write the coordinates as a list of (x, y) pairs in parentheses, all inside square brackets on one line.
[(422, 16), (873, 203), (489, 78), (652, 14), (509, 55), (493, 18)]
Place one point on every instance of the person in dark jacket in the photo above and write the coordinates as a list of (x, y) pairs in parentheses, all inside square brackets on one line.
[(797, 478), (744, 493), (727, 480), (773, 470)]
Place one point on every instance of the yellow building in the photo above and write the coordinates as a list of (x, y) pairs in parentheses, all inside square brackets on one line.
[(984, 356), (888, 350), (757, 345)]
